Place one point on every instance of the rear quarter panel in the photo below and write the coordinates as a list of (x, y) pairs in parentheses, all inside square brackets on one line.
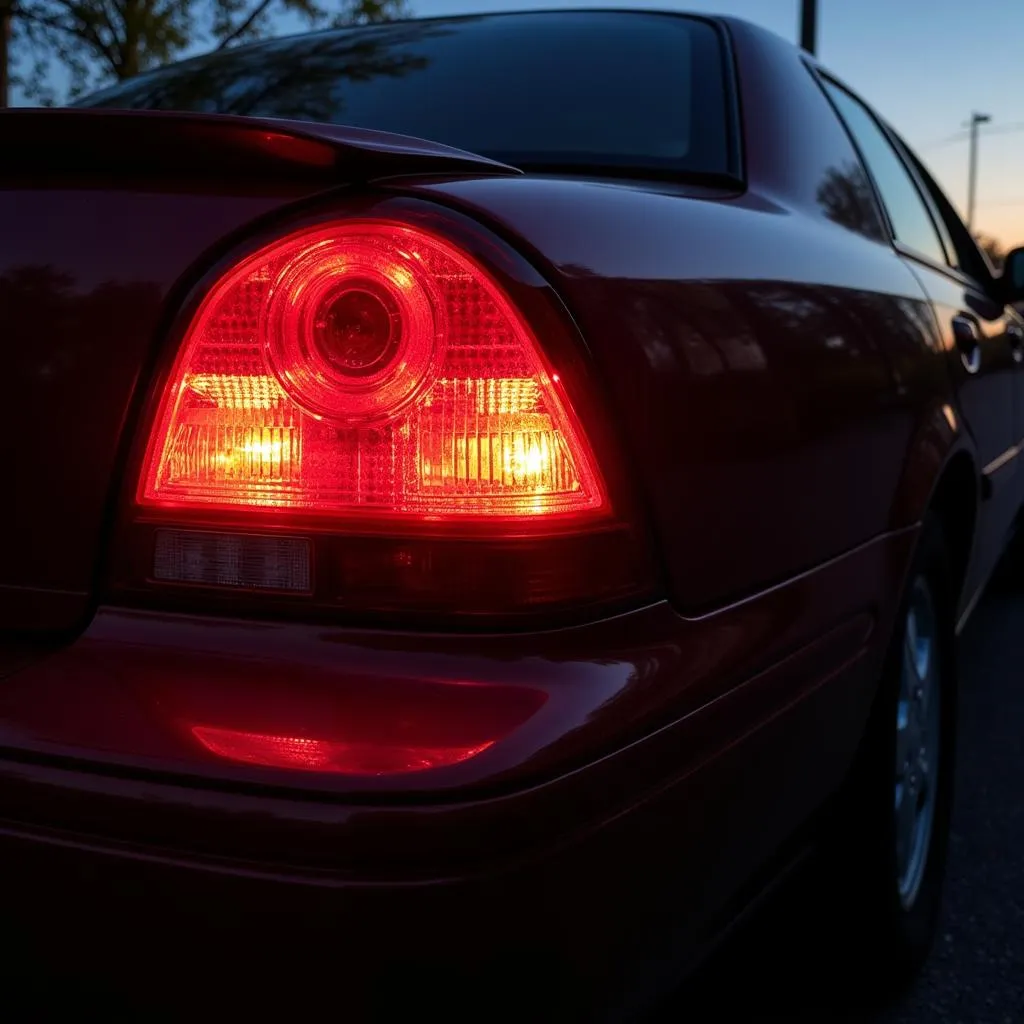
[(771, 361), (774, 374), (773, 367), (87, 276)]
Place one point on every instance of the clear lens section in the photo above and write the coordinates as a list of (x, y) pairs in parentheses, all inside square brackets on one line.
[(232, 560), (485, 437), (456, 414)]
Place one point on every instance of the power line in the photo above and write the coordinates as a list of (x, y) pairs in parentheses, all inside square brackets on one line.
[(1013, 126), (947, 140), (963, 136)]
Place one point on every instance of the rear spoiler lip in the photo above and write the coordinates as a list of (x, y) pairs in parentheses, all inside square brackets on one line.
[(108, 142)]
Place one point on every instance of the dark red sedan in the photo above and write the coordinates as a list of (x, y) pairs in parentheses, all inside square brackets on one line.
[(467, 578)]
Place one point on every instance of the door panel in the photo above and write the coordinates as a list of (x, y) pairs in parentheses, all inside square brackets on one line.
[(992, 398), (979, 336), (983, 355)]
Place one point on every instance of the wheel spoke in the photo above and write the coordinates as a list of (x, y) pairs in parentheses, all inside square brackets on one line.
[(917, 734), (924, 697), (912, 630), (907, 744)]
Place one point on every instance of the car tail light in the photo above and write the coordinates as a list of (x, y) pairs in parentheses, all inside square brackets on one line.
[(368, 370), (368, 388)]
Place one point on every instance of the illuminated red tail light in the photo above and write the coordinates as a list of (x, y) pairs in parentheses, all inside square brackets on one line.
[(368, 370), (360, 417)]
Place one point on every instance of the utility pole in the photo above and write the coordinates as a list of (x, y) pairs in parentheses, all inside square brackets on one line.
[(809, 26), (972, 165)]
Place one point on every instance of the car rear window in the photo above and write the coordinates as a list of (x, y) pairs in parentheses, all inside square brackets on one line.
[(593, 88)]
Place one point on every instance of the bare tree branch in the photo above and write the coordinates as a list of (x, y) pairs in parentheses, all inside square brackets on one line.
[(95, 41), (244, 27)]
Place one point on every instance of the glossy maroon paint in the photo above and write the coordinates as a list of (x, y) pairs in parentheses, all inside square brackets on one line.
[(80, 321), (123, 690), (780, 365), (773, 394), (657, 739), (183, 147)]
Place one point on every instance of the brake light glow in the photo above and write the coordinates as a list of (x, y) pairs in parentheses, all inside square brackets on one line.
[(368, 368), (318, 755)]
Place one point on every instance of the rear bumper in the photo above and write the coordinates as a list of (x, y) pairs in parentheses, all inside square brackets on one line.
[(173, 934), (558, 903), (668, 761)]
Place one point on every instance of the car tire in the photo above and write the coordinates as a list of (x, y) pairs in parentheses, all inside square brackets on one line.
[(884, 860)]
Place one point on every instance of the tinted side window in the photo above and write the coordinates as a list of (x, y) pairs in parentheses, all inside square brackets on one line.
[(969, 257), (911, 221)]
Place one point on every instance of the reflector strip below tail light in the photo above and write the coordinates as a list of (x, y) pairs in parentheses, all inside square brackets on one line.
[(232, 560)]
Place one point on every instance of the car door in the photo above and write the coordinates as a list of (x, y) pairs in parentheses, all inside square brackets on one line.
[(1006, 322), (981, 338)]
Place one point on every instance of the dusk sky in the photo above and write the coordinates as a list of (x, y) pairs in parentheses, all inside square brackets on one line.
[(923, 64)]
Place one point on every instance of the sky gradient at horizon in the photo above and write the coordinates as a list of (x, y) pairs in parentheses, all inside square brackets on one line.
[(923, 64)]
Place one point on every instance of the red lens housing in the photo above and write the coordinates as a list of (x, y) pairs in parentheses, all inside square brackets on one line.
[(427, 399), (369, 383)]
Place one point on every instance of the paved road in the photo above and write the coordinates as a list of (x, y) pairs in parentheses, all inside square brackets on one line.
[(976, 975)]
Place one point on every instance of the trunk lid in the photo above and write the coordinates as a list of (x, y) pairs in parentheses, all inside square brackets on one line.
[(55, 143)]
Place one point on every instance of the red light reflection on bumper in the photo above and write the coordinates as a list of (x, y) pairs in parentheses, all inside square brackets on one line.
[(317, 755)]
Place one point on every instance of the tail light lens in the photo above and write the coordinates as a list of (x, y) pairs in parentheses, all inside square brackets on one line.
[(369, 389), (368, 371)]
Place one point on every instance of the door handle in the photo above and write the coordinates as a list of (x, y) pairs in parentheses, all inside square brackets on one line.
[(965, 334), (1016, 335)]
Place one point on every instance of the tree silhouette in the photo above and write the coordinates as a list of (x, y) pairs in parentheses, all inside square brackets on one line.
[(97, 41), (992, 249), (846, 197), (302, 79)]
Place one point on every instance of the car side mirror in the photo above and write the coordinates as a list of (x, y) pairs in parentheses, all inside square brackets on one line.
[(1013, 276)]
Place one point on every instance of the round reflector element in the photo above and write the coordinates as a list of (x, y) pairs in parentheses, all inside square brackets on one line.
[(358, 330), (353, 330)]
